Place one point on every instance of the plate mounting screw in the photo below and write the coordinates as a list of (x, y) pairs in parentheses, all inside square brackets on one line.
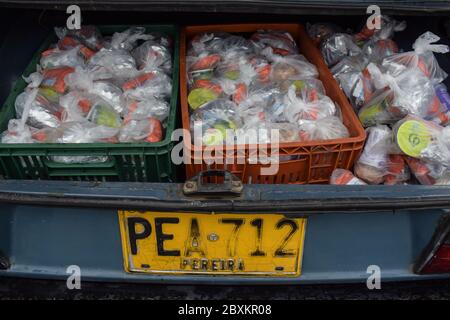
[(213, 237)]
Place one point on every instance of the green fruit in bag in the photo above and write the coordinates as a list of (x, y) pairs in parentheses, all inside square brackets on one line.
[(200, 96)]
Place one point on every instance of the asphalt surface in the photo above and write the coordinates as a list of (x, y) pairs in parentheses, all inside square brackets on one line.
[(41, 289)]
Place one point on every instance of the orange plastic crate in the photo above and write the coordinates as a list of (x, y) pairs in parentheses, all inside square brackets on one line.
[(315, 160)]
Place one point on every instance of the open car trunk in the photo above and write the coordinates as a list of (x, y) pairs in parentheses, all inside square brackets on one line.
[(46, 226)]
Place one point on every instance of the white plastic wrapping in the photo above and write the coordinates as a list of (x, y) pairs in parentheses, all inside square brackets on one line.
[(374, 160)]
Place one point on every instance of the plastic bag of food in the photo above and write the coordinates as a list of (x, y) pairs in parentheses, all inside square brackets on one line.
[(82, 132), (143, 129), (397, 170), (128, 39), (422, 58), (16, 133), (210, 123), (83, 78), (321, 31), (202, 66), (76, 106), (41, 113), (444, 179), (108, 92), (88, 36), (376, 110), (152, 55), (103, 114), (281, 42), (68, 43), (54, 78), (328, 128), (234, 66), (156, 108), (235, 75), (307, 104), (373, 163), (443, 118), (337, 47), (354, 79), (344, 177), (87, 80), (426, 172), (86, 132), (423, 139), (203, 91), (378, 49), (290, 67), (388, 26), (117, 62), (259, 105), (148, 85), (53, 58), (412, 92), (262, 67), (207, 43)]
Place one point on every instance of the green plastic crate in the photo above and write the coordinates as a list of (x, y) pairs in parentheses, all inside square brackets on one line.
[(147, 162)]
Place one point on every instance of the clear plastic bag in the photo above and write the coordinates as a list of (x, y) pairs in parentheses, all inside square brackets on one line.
[(377, 50), (119, 63), (210, 123), (344, 177), (85, 132), (87, 80), (328, 128), (41, 112), (337, 47), (281, 42), (202, 66), (290, 67), (397, 170), (422, 58), (236, 67), (354, 79), (444, 97), (373, 163), (143, 129), (376, 110), (207, 43), (412, 92), (156, 108), (102, 114), (127, 40), (148, 85), (258, 106), (54, 78), (53, 58), (426, 172), (203, 91), (307, 104), (423, 139), (76, 106), (322, 30), (388, 26), (89, 36), (152, 55), (16, 133)]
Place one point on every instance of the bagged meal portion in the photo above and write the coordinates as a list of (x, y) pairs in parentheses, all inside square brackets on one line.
[(94, 89), (344, 177)]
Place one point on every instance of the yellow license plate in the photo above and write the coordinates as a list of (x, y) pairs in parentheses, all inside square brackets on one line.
[(213, 244)]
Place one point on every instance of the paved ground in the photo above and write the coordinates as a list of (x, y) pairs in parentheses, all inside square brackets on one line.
[(39, 289)]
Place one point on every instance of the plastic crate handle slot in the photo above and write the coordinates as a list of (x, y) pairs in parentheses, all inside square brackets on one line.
[(231, 185), (58, 169)]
